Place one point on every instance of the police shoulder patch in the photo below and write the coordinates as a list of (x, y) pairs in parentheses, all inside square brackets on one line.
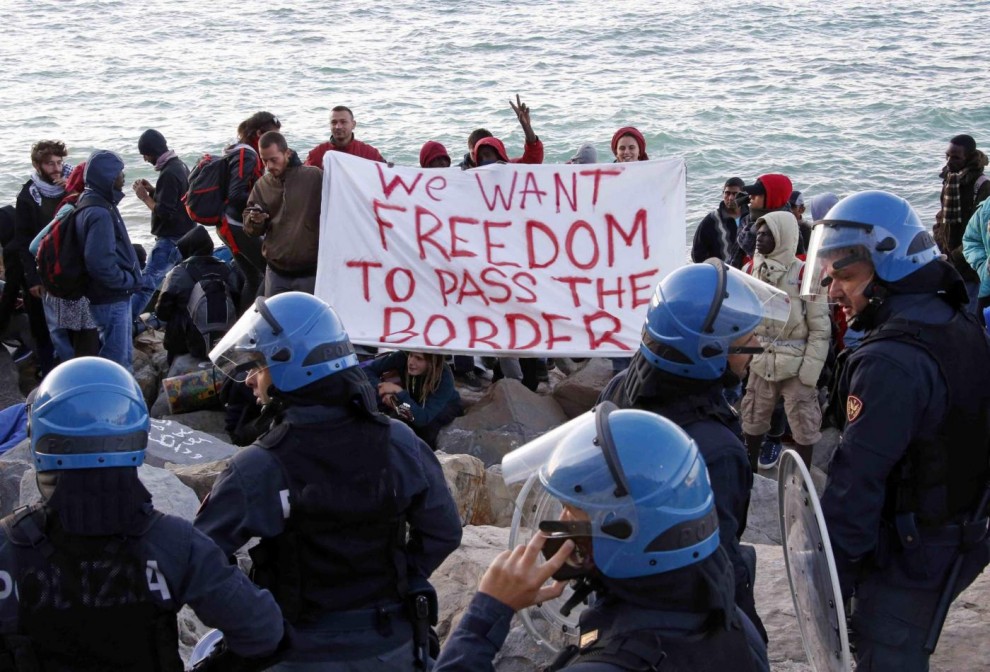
[(854, 406)]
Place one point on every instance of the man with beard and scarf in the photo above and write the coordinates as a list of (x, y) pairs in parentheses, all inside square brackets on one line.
[(169, 219), (111, 262), (905, 502), (716, 233), (352, 509), (292, 234), (964, 187), (698, 339), (638, 529), (94, 575), (768, 193), (37, 204)]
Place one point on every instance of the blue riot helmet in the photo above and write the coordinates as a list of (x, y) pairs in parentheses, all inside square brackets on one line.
[(644, 487), (88, 413), (873, 226), (700, 311), (296, 335)]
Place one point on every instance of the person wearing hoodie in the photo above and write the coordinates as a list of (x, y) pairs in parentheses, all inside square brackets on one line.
[(532, 151), (36, 205), (792, 361), (342, 125), (182, 334), (964, 187), (111, 262), (716, 233), (907, 486), (433, 155), (169, 219), (628, 144), (245, 169), (768, 193), (292, 234)]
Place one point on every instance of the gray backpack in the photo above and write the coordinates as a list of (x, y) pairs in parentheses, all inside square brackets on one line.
[(210, 305)]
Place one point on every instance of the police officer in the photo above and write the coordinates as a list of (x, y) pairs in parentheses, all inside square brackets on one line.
[(901, 504), (93, 576), (639, 529), (698, 338), (331, 490)]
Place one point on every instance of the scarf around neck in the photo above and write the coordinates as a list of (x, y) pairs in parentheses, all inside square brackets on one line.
[(40, 188), (163, 159)]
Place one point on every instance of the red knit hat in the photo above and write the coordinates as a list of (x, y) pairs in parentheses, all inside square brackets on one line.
[(432, 150), (634, 132)]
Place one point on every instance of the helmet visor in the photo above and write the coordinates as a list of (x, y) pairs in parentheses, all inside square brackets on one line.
[(245, 347), (831, 249)]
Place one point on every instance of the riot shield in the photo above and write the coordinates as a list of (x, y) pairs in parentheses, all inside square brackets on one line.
[(811, 568), (544, 622)]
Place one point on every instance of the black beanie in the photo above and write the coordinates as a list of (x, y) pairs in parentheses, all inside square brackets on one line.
[(152, 143), (965, 141)]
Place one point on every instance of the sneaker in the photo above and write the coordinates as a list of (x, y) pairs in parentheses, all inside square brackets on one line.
[(770, 453)]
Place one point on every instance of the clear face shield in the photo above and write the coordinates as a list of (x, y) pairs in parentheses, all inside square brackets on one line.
[(834, 254), (250, 344)]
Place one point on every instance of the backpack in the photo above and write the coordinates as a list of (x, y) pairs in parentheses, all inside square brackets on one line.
[(210, 306), (60, 259), (206, 197)]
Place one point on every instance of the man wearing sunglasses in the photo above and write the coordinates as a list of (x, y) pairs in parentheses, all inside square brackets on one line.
[(906, 499), (716, 234)]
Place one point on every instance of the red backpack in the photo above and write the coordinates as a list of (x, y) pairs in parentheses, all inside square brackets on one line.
[(60, 259), (206, 198)]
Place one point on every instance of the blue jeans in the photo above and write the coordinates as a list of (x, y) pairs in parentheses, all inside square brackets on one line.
[(164, 255), (113, 320)]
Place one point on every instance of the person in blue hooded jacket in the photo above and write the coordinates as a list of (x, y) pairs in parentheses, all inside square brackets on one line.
[(111, 263)]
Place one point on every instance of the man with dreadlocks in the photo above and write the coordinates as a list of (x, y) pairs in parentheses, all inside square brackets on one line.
[(425, 398)]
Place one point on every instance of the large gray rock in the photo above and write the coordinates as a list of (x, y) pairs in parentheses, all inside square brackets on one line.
[(168, 493), (465, 476), (578, 392), (963, 641), (508, 416), (10, 392), (172, 441), (500, 498), (13, 465), (763, 521), (199, 477), (208, 422)]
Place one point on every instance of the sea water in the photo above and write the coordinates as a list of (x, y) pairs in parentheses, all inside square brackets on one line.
[(841, 96)]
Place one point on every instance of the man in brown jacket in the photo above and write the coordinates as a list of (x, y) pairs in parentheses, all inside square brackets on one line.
[(284, 207)]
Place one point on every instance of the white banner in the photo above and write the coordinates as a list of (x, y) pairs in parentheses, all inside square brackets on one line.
[(513, 258)]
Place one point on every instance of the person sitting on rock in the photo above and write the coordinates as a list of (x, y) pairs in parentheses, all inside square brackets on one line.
[(193, 324), (424, 396)]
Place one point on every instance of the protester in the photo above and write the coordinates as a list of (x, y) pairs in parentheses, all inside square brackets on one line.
[(433, 155), (638, 529), (697, 340), (901, 503), (532, 151), (793, 359), (716, 233), (424, 396), (195, 324), (770, 192), (964, 187), (351, 508), (98, 573), (586, 153), (73, 331), (976, 249), (14, 324), (292, 234), (169, 219), (628, 144), (244, 170), (796, 205), (342, 125), (37, 203), (111, 263)]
